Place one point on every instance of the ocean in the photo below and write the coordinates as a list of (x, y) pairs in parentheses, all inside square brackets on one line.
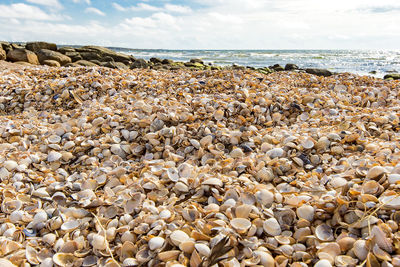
[(361, 62)]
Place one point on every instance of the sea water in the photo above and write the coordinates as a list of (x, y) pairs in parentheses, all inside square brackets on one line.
[(364, 62)]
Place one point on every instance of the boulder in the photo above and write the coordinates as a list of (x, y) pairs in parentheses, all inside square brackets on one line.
[(21, 54), (51, 63), (75, 56), (23, 63), (91, 55), (121, 66), (394, 76), (85, 63), (16, 46), (102, 51), (277, 67), (72, 65), (196, 60), (195, 65), (65, 49), (3, 54), (97, 62), (6, 46), (319, 72), (139, 63), (167, 61), (36, 46), (155, 60), (291, 66), (45, 54), (107, 59)]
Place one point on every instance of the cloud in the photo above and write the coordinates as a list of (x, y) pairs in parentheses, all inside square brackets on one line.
[(23, 11), (140, 7), (48, 3), (81, 1), (94, 11)]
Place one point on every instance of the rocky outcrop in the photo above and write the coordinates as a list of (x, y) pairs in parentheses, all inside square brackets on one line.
[(45, 54), (103, 52), (36, 46), (319, 72), (277, 67), (394, 76), (75, 56), (21, 54), (196, 60), (51, 63), (65, 49), (85, 63), (139, 63), (291, 66), (3, 54), (6, 46), (155, 60)]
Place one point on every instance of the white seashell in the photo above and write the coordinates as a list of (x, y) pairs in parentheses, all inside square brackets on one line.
[(178, 236), (54, 139), (16, 216), (241, 225), (375, 172), (324, 233), (360, 249), (70, 225), (306, 212), (265, 197), (99, 242), (165, 214), (266, 259), (272, 227), (203, 249), (40, 217), (173, 174), (156, 242), (323, 263), (265, 174), (49, 238), (187, 246), (275, 153), (307, 143), (237, 153), (181, 187), (393, 178), (243, 211), (213, 181), (10, 165), (53, 156)]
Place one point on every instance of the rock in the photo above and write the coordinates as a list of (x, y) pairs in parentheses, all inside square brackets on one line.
[(155, 60), (139, 63), (45, 54), (23, 63), (75, 56), (107, 59), (194, 65), (394, 76), (16, 46), (265, 70), (102, 51), (6, 46), (291, 66), (167, 61), (121, 66), (85, 63), (66, 49), (72, 65), (97, 62), (92, 55), (196, 60), (3, 54), (51, 63), (319, 72), (36, 46), (21, 54), (277, 67)]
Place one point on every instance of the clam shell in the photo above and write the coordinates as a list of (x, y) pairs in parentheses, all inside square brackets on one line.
[(241, 225), (156, 242), (178, 236), (324, 232), (272, 227)]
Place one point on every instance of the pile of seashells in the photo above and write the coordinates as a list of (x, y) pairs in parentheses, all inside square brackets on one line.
[(103, 167)]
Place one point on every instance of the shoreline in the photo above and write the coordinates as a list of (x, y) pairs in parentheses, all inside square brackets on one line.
[(53, 55)]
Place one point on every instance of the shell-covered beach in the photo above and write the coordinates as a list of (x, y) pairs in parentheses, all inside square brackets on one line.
[(108, 167)]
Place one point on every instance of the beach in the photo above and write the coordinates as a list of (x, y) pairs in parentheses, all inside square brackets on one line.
[(120, 167)]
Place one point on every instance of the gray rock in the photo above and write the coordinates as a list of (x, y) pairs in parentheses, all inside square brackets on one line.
[(155, 60), (51, 63), (36, 46), (97, 62), (85, 63), (91, 55), (139, 63), (45, 54), (167, 61), (102, 52), (3, 54), (22, 54), (75, 56), (196, 60), (291, 66), (319, 72), (6, 46), (65, 49), (277, 67)]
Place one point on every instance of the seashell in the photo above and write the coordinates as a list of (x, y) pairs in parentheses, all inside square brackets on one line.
[(9, 206), (393, 178), (241, 225), (31, 255), (170, 255), (375, 172), (128, 262), (243, 211), (156, 242), (90, 260), (265, 174), (6, 263), (308, 143), (380, 238), (346, 243), (195, 259), (323, 263), (203, 249), (143, 255), (10, 165), (218, 114), (275, 153), (306, 212), (237, 153), (54, 139), (272, 227), (264, 197), (178, 236), (324, 233), (49, 239), (128, 249), (165, 214), (69, 226), (99, 242), (213, 182), (344, 260), (173, 174), (64, 259), (16, 216), (53, 156), (187, 246), (40, 217), (360, 249), (266, 259)]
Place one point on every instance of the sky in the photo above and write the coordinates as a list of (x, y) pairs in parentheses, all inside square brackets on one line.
[(205, 24)]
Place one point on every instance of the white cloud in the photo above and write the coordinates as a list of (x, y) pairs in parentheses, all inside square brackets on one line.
[(140, 7), (23, 11), (94, 11), (49, 3), (81, 1)]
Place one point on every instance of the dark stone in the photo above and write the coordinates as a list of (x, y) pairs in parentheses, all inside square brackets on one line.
[(167, 61), (22, 54), (394, 76), (97, 62), (66, 49), (107, 59), (85, 63), (194, 65), (17, 46), (75, 56), (319, 72), (121, 66), (3, 54), (72, 65), (45, 54), (277, 67), (155, 60), (6, 46), (91, 55), (36, 46), (291, 66), (139, 63), (196, 60)]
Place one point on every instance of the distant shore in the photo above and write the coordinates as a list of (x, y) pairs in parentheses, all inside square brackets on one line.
[(44, 53)]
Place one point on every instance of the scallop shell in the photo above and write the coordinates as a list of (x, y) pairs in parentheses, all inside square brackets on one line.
[(241, 225)]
